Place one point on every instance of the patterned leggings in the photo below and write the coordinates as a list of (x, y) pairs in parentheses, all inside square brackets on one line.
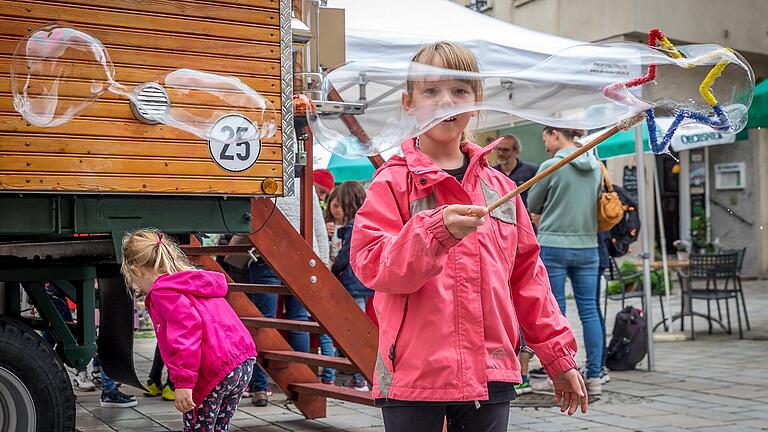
[(218, 408)]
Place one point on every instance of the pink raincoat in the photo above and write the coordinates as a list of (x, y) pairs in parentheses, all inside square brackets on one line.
[(201, 339), (449, 309)]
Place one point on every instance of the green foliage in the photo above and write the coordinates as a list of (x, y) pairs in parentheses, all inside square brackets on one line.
[(614, 287), (699, 232), (629, 269)]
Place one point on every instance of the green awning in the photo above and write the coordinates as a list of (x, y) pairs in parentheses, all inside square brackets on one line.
[(350, 169), (758, 112), (622, 144)]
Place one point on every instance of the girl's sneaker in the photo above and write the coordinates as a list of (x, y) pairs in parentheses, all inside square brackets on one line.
[(168, 393), (116, 399), (523, 388), (152, 389), (594, 386), (82, 383)]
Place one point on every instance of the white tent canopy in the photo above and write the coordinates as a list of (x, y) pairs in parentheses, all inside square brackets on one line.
[(393, 30)]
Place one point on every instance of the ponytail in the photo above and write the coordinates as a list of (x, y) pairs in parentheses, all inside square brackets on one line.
[(151, 248)]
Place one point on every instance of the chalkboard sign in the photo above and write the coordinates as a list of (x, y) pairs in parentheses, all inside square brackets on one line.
[(630, 180)]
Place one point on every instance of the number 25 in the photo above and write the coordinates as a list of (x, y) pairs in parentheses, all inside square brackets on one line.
[(245, 145)]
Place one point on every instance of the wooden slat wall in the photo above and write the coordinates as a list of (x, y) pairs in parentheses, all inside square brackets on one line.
[(105, 149)]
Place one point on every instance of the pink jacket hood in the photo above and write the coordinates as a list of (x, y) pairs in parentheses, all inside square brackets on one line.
[(200, 337), (451, 311)]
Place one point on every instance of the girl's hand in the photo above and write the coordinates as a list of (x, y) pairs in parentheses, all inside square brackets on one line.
[(571, 392), (463, 220), (183, 399), (331, 228), (535, 218)]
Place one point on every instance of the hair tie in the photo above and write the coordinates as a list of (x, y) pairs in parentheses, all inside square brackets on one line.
[(159, 239)]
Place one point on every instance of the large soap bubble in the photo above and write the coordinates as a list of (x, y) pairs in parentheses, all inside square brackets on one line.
[(586, 87), (58, 72)]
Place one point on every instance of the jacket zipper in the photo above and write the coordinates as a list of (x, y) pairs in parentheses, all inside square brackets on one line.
[(392, 348)]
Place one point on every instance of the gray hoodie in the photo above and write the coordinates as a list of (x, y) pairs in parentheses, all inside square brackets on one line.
[(567, 202)]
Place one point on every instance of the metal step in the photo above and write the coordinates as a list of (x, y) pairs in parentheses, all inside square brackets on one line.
[(334, 392), (216, 250), (259, 288), (338, 363), (283, 324)]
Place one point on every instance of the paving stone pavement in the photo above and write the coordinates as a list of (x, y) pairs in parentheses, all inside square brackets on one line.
[(713, 383)]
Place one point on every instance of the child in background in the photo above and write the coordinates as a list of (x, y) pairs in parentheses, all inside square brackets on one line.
[(334, 220), (452, 281), (349, 197), (208, 351)]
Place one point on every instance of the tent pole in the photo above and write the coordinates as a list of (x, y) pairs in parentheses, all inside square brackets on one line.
[(663, 239), (646, 256)]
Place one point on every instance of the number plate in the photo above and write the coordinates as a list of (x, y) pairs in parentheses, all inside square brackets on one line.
[(238, 155)]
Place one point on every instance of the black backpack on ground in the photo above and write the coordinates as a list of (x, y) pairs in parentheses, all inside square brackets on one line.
[(629, 343), (627, 230)]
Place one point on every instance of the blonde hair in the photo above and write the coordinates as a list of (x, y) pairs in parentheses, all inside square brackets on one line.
[(151, 248), (452, 56)]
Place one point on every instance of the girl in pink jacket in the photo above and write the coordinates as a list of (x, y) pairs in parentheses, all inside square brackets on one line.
[(452, 282), (208, 351)]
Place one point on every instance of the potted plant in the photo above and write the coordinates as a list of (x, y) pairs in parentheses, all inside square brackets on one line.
[(682, 247)]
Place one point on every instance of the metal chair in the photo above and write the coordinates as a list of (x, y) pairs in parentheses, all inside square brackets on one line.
[(712, 268), (737, 280), (614, 274)]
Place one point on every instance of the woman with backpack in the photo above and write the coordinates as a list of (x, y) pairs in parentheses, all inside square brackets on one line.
[(567, 232)]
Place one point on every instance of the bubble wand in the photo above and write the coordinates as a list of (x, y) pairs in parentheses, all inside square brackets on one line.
[(614, 92)]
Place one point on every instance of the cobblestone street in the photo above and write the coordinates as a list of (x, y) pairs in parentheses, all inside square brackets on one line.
[(713, 383)]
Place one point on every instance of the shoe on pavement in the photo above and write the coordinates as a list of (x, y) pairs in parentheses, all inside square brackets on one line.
[(604, 377), (538, 373), (82, 383), (168, 393), (260, 399), (152, 390), (544, 387), (523, 388), (117, 399), (359, 384), (594, 386)]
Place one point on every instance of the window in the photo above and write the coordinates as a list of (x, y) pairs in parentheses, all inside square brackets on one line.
[(480, 5)]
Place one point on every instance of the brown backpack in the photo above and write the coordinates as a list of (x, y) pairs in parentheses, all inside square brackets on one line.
[(610, 210)]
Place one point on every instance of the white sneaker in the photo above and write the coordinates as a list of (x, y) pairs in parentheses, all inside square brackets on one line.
[(594, 386), (81, 382), (544, 387)]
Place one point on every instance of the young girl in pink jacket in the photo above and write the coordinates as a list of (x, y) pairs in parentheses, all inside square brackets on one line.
[(452, 281), (208, 351)]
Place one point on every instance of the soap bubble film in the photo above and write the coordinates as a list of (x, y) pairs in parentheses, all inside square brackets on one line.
[(583, 87), (58, 72)]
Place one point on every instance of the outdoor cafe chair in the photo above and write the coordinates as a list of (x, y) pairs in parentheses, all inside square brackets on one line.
[(717, 271), (737, 280), (630, 280)]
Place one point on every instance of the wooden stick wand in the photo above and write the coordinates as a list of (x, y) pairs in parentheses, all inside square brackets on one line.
[(625, 124)]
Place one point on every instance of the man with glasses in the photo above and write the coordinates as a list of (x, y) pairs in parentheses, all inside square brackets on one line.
[(507, 151)]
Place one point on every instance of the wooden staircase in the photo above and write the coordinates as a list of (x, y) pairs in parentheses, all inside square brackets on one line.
[(306, 277)]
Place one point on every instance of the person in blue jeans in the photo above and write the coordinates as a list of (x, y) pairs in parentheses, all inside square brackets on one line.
[(565, 206), (261, 273)]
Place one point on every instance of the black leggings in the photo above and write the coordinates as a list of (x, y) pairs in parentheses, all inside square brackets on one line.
[(156, 373), (492, 417)]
